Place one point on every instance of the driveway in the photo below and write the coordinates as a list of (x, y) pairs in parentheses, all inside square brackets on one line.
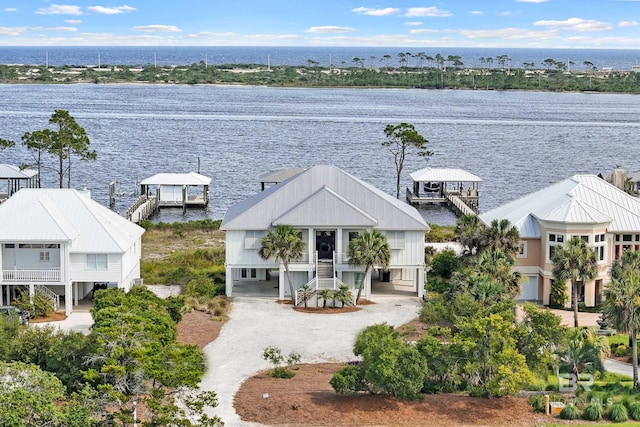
[(257, 323)]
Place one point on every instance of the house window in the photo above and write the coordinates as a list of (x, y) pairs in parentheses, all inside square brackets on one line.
[(599, 238), (557, 238), (44, 256), (248, 272), (97, 262), (600, 253), (523, 250), (552, 251), (253, 239), (353, 235), (395, 239), (627, 237), (9, 245)]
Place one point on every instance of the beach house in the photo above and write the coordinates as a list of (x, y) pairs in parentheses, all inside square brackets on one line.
[(587, 206), (61, 243), (329, 207)]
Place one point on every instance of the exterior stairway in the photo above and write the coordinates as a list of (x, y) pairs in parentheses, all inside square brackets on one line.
[(324, 275)]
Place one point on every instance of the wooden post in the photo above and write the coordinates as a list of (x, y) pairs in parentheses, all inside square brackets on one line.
[(547, 404), (184, 199)]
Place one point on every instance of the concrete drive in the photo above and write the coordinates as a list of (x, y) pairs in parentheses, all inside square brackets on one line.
[(257, 323)]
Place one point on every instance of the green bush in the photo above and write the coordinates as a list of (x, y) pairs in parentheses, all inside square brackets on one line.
[(634, 411), (570, 413), (536, 402), (40, 306), (618, 413), (445, 263), (593, 412), (621, 350), (202, 287), (348, 380)]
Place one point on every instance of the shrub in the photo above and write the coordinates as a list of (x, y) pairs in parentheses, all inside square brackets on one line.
[(621, 350), (202, 287), (275, 356), (569, 413), (536, 402), (42, 305), (593, 412), (634, 410), (445, 263), (618, 413), (348, 380)]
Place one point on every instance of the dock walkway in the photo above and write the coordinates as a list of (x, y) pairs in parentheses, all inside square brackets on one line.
[(142, 209)]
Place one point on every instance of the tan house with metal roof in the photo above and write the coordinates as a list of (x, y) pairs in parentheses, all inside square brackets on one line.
[(587, 206), (329, 207), (61, 242)]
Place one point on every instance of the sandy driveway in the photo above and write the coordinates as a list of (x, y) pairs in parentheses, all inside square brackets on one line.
[(257, 323)]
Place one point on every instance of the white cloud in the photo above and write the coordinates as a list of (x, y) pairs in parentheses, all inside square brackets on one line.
[(477, 12), (506, 13), (63, 29), (329, 29), (532, 1), (427, 11), (376, 12), (413, 23), (509, 34), (575, 24), (12, 31), (274, 37), (210, 34), (424, 31), (58, 9), (157, 28), (10, 9), (73, 21), (627, 23), (110, 10)]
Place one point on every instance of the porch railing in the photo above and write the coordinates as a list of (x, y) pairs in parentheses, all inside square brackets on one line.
[(48, 275)]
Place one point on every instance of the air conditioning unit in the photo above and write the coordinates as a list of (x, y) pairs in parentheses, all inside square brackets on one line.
[(138, 282)]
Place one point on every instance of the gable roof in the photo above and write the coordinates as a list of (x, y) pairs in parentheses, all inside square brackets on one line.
[(443, 175), (581, 199), (65, 215), (323, 196), (14, 172), (191, 178)]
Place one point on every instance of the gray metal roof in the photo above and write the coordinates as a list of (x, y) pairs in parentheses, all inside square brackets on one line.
[(14, 172), (65, 215), (323, 196), (443, 175), (581, 199), (191, 178), (279, 176)]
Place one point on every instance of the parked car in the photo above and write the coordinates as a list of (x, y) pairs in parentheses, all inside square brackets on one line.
[(10, 310)]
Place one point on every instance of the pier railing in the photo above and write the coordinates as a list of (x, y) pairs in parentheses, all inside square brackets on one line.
[(142, 208)]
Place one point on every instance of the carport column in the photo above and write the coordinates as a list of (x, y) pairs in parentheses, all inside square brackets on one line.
[(68, 298), (282, 277), (32, 292), (367, 285), (420, 282), (228, 280), (75, 293)]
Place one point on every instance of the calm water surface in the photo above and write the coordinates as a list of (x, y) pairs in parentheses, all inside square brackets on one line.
[(517, 142)]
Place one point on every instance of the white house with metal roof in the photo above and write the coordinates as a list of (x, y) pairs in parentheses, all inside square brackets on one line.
[(329, 207), (587, 206), (62, 241)]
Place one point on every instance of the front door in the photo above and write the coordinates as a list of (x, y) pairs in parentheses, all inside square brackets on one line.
[(325, 243)]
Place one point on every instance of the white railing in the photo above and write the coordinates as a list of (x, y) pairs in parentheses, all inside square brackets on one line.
[(55, 298), (49, 275)]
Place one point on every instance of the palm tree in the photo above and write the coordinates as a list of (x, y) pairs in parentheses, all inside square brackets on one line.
[(284, 244), (585, 349), (326, 295), (575, 262), (502, 235), (470, 233), (496, 263), (306, 292), (622, 303), (369, 248)]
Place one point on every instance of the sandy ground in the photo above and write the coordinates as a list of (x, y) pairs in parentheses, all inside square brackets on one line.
[(257, 323)]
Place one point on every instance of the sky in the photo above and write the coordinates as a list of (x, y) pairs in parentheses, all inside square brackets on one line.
[(612, 24)]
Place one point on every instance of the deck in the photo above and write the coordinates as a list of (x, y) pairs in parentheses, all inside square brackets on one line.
[(462, 204)]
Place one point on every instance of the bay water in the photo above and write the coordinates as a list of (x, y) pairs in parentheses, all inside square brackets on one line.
[(517, 142)]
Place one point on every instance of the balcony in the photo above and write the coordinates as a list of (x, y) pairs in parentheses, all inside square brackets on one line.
[(27, 276)]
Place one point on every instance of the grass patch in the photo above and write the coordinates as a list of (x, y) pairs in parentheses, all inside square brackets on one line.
[(440, 233), (180, 267)]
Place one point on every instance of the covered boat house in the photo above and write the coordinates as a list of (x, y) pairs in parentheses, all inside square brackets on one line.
[(178, 189), (456, 187), (15, 179)]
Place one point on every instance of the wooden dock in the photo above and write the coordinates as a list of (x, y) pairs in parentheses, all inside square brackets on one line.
[(461, 204), (142, 209)]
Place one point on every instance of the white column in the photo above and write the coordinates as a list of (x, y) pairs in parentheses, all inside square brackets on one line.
[(282, 278), (367, 285), (229, 281), (1, 301), (76, 293), (339, 250), (312, 247), (68, 298), (32, 292), (420, 282)]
